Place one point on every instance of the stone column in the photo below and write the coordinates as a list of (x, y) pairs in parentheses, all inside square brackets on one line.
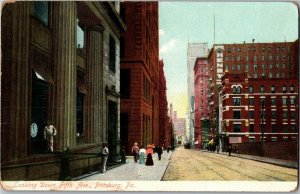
[(19, 92), (64, 66), (95, 82)]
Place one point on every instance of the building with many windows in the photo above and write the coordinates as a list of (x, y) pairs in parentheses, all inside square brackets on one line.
[(256, 108), (266, 66), (60, 64), (139, 74), (201, 98)]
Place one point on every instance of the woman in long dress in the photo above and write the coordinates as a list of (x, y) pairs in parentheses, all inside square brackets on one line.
[(142, 154), (149, 152)]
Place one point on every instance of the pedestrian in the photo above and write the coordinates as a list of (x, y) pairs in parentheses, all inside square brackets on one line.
[(49, 133), (149, 161), (149, 150), (159, 151), (229, 149), (104, 154), (142, 155), (135, 152)]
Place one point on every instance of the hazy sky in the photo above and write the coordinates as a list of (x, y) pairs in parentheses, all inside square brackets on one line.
[(235, 22)]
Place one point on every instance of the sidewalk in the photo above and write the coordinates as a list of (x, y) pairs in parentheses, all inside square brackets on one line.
[(134, 171), (284, 163)]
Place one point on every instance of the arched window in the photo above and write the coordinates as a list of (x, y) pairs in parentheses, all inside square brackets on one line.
[(239, 90), (234, 90), (251, 89)]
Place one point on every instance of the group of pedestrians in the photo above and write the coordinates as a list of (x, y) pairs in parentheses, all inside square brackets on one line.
[(141, 153)]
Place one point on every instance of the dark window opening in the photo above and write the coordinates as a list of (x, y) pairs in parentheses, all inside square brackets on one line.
[(125, 83), (39, 114), (112, 54), (237, 127)]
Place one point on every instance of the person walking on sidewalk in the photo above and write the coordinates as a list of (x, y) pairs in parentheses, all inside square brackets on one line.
[(159, 151), (142, 154), (104, 154), (135, 151)]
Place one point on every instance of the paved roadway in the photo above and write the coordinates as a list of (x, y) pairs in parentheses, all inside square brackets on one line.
[(188, 164)]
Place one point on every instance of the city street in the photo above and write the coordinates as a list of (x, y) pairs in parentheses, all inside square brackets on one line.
[(189, 164)]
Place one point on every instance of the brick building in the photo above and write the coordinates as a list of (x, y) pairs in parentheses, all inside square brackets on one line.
[(139, 74), (260, 65), (164, 132), (201, 97), (60, 62), (253, 108)]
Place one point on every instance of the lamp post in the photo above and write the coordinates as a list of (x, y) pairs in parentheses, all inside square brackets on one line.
[(262, 125)]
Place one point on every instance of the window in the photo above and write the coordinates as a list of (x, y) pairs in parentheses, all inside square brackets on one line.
[(251, 114), (247, 67), (250, 89), (277, 75), (270, 66), (255, 67), (239, 49), (292, 88), (292, 114), (270, 75), (262, 57), (263, 49), (226, 58), (251, 101), (285, 114), (272, 89), (79, 113), (112, 54), (273, 114), (238, 58), (236, 114), (262, 89), (251, 128), (273, 101), (270, 57), (239, 67), (226, 67), (236, 101), (253, 49), (247, 58), (292, 101), (40, 11), (283, 101), (234, 90), (283, 89), (229, 50), (255, 58), (125, 83), (232, 58), (273, 128), (293, 128), (255, 75), (237, 127), (263, 75), (249, 49), (238, 90), (80, 36), (262, 66)]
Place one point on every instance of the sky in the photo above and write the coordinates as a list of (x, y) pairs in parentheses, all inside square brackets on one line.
[(181, 23)]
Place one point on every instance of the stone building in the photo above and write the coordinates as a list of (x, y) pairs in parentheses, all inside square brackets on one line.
[(194, 50), (139, 74), (60, 63)]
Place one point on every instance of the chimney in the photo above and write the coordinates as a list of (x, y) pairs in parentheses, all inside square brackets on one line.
[(244, 42), (253, 40)]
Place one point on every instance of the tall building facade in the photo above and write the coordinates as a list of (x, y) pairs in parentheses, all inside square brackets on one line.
[(164, 132), (194, 50), (201, 98), (267, 68), (139, 74), (60, 65)]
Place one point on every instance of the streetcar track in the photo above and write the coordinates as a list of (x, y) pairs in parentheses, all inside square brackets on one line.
[(247, 166), (289, 174)]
